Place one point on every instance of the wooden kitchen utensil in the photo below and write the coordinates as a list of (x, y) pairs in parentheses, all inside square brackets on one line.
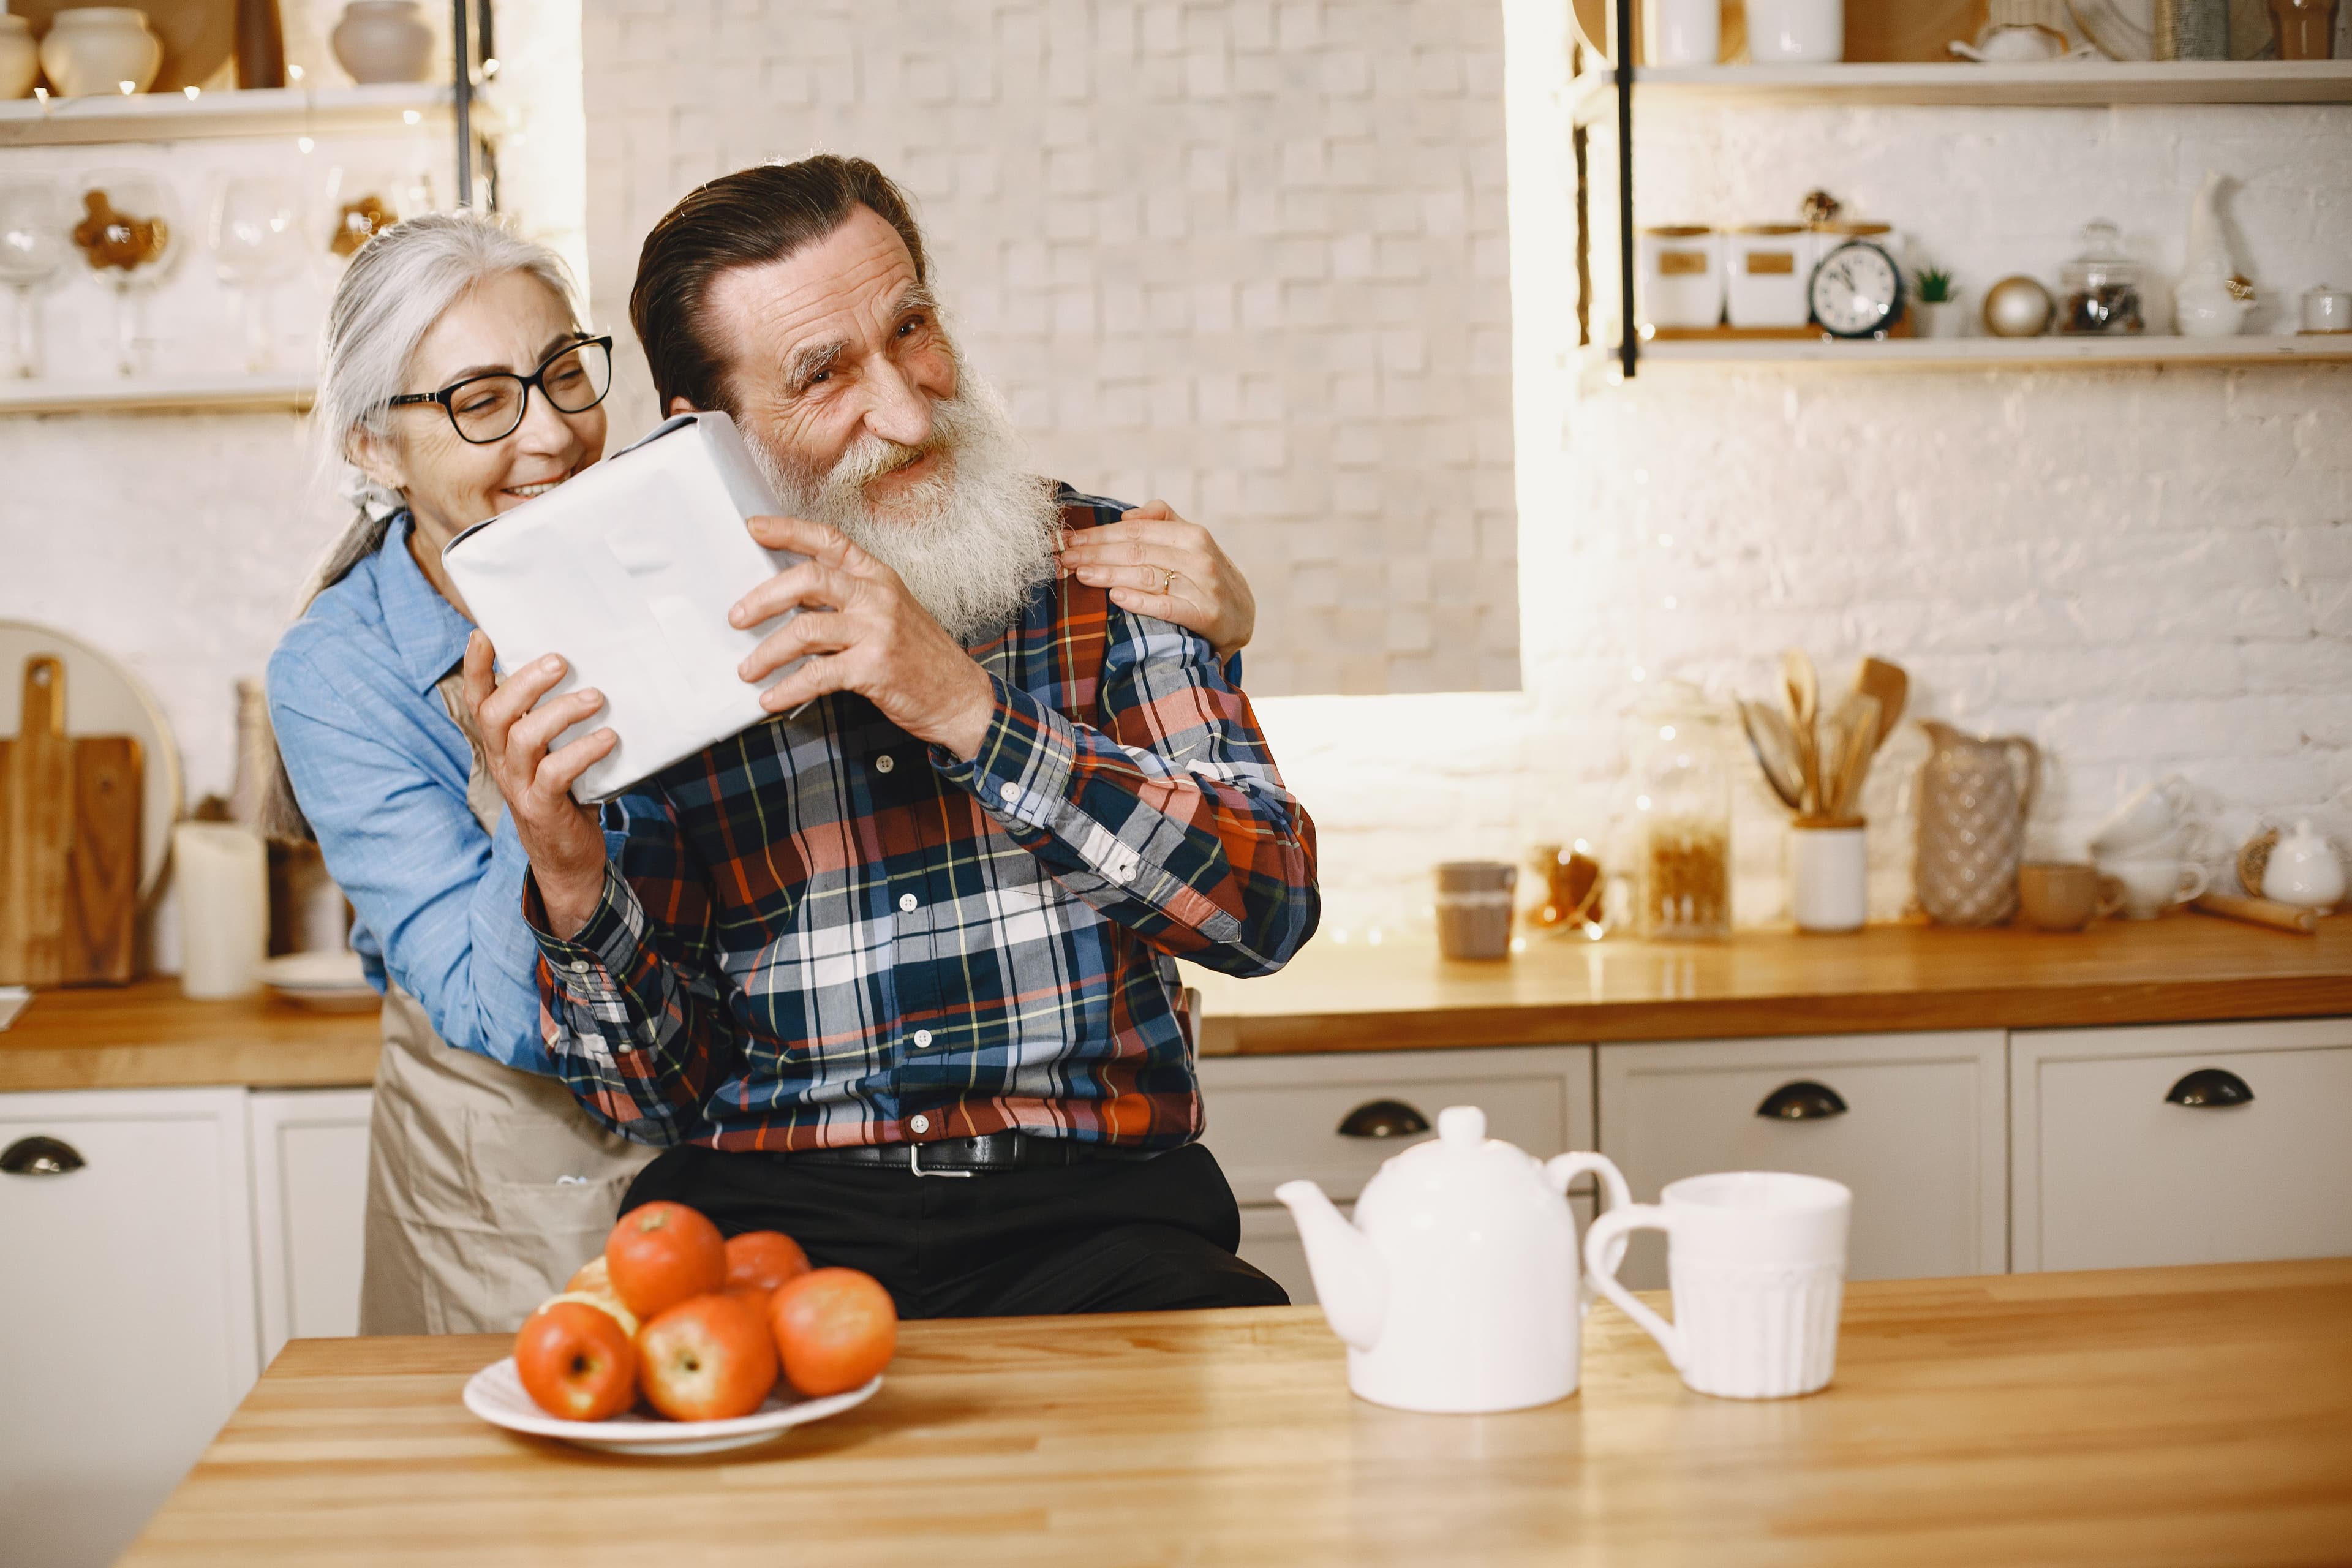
[(69, 843), (1805, 694), (2260, 911), (1775, 745), (1891, 686), (1856, 742)]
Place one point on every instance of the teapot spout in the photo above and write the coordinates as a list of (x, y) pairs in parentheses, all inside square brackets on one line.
[(1348, 1276)]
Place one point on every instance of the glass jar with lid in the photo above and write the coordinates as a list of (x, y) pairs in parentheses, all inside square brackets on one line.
[(1682, 816), (2102, 286)]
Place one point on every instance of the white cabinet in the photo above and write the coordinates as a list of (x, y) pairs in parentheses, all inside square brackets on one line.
[(126, 1316), (2114, 1165), (1914, 1123), (1272, 1118), (310, 1211)]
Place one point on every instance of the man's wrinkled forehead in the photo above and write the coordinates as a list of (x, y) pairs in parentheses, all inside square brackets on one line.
[(843, 291)]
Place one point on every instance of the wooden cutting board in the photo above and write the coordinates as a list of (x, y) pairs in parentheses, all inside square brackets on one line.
[(69, 845)]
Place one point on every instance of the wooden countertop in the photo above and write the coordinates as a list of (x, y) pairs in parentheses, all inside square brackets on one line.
[(1351, 997), (148, 1036), (2189, 1415)]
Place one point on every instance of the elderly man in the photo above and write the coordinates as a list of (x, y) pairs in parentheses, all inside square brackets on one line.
[(925, 926)]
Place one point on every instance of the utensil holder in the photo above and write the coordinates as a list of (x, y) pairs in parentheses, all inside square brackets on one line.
[(1829, 876)]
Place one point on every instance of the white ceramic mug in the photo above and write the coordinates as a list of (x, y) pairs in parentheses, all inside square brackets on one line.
[(1796, 32), (1681, 32), (2326, 310), (2143, 815), (1829, 877), (1757, 1262), (2154, 885)]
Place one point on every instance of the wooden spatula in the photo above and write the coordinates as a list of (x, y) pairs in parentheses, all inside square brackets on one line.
[(1891, 686), (1805, 693), (69, 843)]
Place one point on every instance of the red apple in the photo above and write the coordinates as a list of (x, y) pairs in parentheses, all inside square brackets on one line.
[(575, 1363), (707, 1359)]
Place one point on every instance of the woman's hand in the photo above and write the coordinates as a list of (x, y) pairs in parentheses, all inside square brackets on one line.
[(560, 835), (1156, 564)]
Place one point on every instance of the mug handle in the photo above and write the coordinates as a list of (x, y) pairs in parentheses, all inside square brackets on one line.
[(1562, 1169), (2192, 883), (1607, 1240), (2111, 896)]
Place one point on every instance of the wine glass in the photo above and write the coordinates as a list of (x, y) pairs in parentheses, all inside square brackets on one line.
[(129, 232), (32, 249), (257, 243)]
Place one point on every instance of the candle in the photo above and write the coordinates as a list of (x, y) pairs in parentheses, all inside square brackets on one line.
[(222, 872)]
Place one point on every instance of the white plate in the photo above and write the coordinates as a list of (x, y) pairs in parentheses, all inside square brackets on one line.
[(102, 699), (495, 1394), (325, 982)]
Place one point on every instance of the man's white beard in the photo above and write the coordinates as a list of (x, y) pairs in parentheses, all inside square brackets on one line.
[(971, 541)]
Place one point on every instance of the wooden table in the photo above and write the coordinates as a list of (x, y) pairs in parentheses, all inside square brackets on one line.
[(2186, 967), (2185, 1415)]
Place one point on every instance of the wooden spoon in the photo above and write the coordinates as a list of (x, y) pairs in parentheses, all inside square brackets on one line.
[(1857, 741), (1804, 703), (1891, 686), (1775, 745)]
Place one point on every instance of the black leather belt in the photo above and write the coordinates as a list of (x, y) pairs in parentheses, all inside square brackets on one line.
[(1007, 1151)]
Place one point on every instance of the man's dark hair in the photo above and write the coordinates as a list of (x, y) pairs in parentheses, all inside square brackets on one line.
[(747, 218)]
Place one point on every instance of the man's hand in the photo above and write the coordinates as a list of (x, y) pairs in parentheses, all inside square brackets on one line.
[(1156, 564), (876, 640), (560, 835)]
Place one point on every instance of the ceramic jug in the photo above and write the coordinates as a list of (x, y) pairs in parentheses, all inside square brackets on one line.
[(1974, 794), (1458, 1287), (94, 49), (2302, 869), (384, 40)]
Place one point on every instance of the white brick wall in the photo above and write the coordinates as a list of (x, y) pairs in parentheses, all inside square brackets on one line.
[(1248, 257)]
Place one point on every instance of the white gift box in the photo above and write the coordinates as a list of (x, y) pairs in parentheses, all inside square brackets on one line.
[(628, 570)]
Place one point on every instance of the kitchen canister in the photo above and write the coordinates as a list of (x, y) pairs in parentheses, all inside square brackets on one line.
[(1829, 876), (1681, 276), (1766, 268), (2326, 310), (384, 40), (20, 58), (1473, 908), (97, 49), (1796, 32), (220, 871), (1681, 32)]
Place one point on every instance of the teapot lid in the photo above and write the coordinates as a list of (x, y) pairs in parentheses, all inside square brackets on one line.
[(1461, 1167)]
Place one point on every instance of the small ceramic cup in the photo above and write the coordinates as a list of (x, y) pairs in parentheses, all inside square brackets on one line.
[(2327, 310), (1828, 877), (1757, 1263), (2143, 816), (1796, 32), (2152, 887), (2065, 895), (1681, 32)]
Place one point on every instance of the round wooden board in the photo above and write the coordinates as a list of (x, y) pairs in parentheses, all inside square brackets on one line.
[(198, 35)]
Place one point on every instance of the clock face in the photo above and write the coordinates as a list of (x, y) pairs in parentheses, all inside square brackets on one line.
[(1857, 290)]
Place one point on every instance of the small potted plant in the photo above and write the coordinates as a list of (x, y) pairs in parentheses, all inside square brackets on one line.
[(1934, 312)]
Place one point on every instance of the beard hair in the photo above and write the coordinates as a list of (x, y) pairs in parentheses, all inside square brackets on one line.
[(971, 542)]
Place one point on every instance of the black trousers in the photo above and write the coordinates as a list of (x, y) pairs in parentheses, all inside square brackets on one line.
[(1102, 1235)]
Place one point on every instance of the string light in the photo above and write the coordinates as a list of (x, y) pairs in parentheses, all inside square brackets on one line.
[(192, 92)]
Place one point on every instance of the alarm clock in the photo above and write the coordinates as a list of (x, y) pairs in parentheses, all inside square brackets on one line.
[(1857, 291)]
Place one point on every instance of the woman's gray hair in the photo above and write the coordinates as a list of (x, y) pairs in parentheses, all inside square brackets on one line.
[(399, 284)]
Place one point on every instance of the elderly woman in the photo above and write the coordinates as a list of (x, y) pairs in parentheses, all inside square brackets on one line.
[(458, 384)]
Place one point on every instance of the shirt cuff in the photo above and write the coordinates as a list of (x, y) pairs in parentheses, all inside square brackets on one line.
[(584, 963), (1021, 773)]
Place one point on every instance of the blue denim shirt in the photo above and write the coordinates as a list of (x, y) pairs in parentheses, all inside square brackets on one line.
[(380, 769)]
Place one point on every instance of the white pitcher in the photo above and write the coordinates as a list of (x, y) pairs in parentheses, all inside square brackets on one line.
[(1458, 1287)]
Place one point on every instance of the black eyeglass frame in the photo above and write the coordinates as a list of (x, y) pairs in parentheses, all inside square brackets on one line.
[(446, 397)]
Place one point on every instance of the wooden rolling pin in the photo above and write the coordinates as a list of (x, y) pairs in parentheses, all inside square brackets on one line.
[(2261, 911)]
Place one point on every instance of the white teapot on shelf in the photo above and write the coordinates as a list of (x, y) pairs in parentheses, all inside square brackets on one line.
[(1458, 1287), (2301, 870)]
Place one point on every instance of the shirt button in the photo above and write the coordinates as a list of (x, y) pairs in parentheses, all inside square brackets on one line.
[(1008, 793), (907, 902), (922, 1037), (883, 763), (920, 1124), (579, 966)]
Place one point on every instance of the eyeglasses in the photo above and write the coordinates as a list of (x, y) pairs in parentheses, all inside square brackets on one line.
[(486, 408)]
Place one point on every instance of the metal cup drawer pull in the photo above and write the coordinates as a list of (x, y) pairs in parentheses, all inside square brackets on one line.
[(39, 1156), (1803, 1101), (2210, 1089), (1383, 1118)]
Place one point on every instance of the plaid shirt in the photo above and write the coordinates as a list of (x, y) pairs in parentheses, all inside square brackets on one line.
[(824, 931)]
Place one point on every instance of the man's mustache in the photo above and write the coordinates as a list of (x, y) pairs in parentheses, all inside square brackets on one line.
[(879, 456)]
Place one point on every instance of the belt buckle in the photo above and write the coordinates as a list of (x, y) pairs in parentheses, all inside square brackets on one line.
[(915, 1164)]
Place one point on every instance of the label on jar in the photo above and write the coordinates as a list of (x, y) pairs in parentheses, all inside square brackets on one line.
[(1783, 262), (1681, 264)]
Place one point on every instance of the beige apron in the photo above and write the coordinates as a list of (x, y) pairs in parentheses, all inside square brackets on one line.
[(486, 1185)]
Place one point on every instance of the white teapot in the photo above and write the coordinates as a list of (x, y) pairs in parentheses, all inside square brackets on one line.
[(2302, 869), (1458, 1287)]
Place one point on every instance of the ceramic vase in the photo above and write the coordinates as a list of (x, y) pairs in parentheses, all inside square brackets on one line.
[(384, 40), (20, 58), (94, 49)]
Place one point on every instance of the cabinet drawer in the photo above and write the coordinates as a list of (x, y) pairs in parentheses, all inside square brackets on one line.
[(1273, 1119), (2110, 1173), (1920, 1140)]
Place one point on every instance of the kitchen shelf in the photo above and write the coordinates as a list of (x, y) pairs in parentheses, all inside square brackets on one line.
[(2058, 83), (261, 111), (2000, 354), (290, 392)]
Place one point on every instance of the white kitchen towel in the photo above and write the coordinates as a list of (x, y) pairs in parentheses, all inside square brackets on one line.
[(628, 571)]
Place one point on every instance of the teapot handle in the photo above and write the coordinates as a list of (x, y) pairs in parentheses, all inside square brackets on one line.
[(2022, 749), (1562, 1169)]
